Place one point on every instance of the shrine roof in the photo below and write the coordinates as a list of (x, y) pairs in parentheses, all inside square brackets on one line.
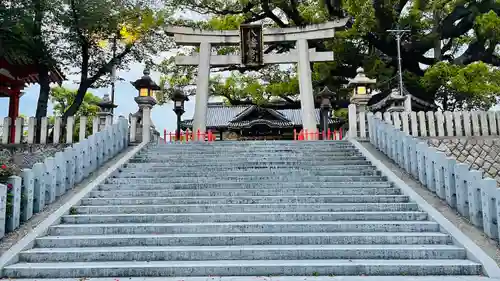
[(21, 68), (222, 116), (380, 101)]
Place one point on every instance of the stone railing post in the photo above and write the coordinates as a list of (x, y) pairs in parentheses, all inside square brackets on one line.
[(3, 209), (50, 180), (463, 189), (27, 194), (14, 218), (70, 167), (38, 187), (45, 182)]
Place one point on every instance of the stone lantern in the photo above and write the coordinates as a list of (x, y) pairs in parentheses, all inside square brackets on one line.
[(106, 112), (179, 99), (325, 108), (362, 89), (145, 100)]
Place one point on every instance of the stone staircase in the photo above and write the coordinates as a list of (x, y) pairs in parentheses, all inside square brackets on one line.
[(245, 209)]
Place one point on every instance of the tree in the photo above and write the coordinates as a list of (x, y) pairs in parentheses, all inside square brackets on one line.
[(79, 34), (93, 24), (62, 98), (458, 33), (27, 31)]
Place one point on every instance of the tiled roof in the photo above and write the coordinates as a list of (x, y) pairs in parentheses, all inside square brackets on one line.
[(270, 123), (221, 116)]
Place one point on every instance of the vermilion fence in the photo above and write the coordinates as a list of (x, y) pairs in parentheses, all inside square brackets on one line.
[(188, 136), (305, 135)]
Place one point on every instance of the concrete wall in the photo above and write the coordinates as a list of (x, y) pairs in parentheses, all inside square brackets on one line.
[(478, 152)]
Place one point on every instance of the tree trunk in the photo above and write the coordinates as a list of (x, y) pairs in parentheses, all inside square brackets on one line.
[(80, 95), (43, 98)]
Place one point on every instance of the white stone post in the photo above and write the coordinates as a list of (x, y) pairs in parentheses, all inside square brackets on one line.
[(305, 85), (146, 123), (27, 192), (200, 108), (60, 173), (407, 103), (83, 128), (133, 128), (50, 180), (39, 187), (13, 220), (70, 122), (3, 208)]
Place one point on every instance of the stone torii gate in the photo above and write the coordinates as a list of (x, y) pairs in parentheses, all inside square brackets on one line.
[(302, 55)]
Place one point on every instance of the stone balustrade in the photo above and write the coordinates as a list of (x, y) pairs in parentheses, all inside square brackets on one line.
[(34, 188), (24, 130), (431, 123), (473, 196)]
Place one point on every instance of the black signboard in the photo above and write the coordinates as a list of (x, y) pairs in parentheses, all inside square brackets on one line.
[(252, 45)]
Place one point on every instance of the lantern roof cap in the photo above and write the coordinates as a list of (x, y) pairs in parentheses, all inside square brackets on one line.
[(179, 95), (145, 82), (326, 92), (106, 102), (361, 78)]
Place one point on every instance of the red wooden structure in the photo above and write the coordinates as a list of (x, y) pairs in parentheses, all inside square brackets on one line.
[(16, 73)]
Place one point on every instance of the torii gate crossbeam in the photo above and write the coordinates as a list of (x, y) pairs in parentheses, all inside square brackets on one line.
[(301, 55)]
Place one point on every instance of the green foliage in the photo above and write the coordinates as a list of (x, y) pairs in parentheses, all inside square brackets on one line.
[(80, 35), (448, 42), (62, 98), (474, 86)]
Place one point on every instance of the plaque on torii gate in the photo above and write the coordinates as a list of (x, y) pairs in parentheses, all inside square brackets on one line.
[(252, 45), (301, 55)]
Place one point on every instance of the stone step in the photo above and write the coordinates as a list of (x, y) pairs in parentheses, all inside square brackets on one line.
[(108, 191), (282, 147), (249, 173), (244, 227), (252, 144), (243, 208), (249, 164), (243, 267), (315, 277), (283, 186), (245, 217), (242, 160), (233, 156), (245, 252), (222, 239), (138, 167), (245, 200), (255, 179)]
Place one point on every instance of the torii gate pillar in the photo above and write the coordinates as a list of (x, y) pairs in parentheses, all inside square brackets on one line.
[(305, 86), (301, 55), (202, 88)]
